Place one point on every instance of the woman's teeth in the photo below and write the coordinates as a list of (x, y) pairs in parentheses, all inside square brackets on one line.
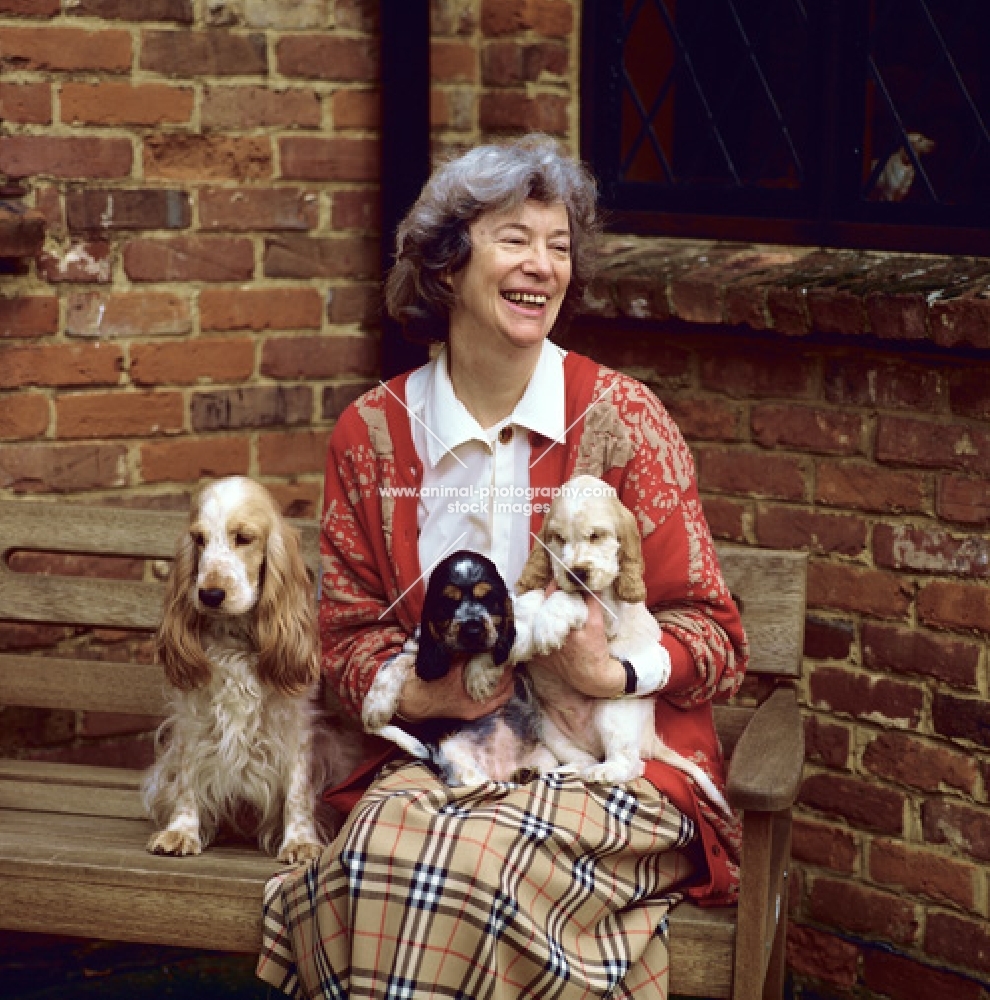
[(525, 298)]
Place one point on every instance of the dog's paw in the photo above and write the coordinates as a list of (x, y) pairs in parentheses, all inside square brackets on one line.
[(176, 842), (616, 771), (382, 701), (560, 613), (295, 852), (481, 677)]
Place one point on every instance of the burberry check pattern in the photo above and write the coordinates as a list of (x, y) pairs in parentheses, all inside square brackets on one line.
[(549, 888)]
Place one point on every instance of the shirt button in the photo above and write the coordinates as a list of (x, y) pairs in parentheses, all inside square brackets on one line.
[(505, 434)]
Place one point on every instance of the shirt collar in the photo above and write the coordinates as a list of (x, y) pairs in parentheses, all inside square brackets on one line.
[(541, 408)]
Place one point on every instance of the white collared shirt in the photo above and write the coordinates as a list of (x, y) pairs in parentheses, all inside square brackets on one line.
[(475, 488)]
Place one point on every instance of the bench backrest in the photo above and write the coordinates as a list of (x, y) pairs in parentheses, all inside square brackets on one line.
[(769, 587)]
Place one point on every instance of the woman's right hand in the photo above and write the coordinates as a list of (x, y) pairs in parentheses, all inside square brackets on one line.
[(446, 698)]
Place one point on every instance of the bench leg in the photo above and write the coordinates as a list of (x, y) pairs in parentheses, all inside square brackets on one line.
[(754, 891), (773, 988)]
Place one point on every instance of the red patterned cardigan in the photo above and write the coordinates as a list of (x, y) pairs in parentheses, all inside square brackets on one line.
[(372, 596)]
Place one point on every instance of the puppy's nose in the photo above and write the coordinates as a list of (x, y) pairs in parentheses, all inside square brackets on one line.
[(472, 630), (579, 574), (212, 597)]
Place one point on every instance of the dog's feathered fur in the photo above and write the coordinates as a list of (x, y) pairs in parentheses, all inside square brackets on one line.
[(590, 543), (239, 648)]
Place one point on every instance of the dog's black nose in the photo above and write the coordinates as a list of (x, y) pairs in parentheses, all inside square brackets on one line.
[(212, 597), (579, 575), (472, 629)]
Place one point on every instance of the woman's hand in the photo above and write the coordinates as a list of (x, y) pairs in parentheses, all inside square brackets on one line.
[(583, 661), (446, 698)]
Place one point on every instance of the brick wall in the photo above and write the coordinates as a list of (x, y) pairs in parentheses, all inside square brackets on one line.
[(206, 303)]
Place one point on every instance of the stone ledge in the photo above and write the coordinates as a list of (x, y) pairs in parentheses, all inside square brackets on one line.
[(796, 291)]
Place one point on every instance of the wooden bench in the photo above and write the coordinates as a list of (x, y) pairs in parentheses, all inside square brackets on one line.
[(72, 856)]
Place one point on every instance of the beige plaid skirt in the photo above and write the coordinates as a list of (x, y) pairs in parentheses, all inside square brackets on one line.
[(548, 888)]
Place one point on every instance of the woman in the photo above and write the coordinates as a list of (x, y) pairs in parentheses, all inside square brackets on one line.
[(548, 886)]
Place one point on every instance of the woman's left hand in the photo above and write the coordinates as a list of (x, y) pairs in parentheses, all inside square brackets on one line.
[(583, 661)]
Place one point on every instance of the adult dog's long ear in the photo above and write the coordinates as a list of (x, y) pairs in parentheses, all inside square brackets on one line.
[(288, 645), (177, 644), (506, 635), (537, 572), (629, 585), (432, 657)]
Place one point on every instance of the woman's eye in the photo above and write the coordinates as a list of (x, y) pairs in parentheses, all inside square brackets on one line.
[(562, 248)]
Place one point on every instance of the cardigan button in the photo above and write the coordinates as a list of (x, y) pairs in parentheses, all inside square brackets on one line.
[(505, 434)]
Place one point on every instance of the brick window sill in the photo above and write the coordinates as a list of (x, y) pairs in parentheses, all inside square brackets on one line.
[(909, 299)]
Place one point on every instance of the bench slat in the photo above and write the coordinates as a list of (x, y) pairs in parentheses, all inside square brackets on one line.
[(39, 786)]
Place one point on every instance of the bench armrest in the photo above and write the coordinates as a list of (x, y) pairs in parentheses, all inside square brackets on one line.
[(765, 770)]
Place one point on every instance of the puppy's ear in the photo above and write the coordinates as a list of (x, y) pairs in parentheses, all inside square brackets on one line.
[(177, 645), (506, 634), (288, 645), (537, 572), (629, 585), (432, 657)]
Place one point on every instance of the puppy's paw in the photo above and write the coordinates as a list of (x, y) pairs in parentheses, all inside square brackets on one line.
[(293, 852), (481, 676), (560, 613), (177, 842), (616, 771), (382, 700)]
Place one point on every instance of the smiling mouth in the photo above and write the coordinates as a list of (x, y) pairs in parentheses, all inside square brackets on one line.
[(535, 300)]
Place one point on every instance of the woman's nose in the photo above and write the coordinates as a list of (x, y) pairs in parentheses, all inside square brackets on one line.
[(538, 261)]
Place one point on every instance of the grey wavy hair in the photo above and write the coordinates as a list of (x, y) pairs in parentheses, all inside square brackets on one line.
[(433, 240)]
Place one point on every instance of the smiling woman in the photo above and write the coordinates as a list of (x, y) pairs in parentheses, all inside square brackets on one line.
[(542, 885)]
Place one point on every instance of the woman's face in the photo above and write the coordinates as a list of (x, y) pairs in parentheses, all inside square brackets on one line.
[(514, 282)]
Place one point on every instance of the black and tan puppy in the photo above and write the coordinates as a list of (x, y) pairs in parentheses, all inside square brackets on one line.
[(467, 610)]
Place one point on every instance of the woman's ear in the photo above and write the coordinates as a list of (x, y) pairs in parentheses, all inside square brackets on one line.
[(177, 645), (629, 585), (537, 572), (288, 645)]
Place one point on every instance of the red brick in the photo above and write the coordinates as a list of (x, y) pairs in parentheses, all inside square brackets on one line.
[(327, 57), (961, 447), (110, 103), (955, 606), (553, 18), (898, 317), (22, 416), (827, 744), (746, 374), (48, 201), (828, 639), (184, 53), (862, 486), (886, 702), (60, 365), (187, 461), (962, 718), (453, 109), (26, 103), (448, 17), (258, 107), (67, 157), (453, 61), (81, 262), (966, 829), (835, 310), (828, 432), (913, 651), (292, 454), (909, 760), (43, 468), (260, 309), (180, 11), (969, 393), (253, 406), (511, 110), (962, 321), (962, 942), (706, 419), (251, 209), (726, 518), (309, 257), (774, 476), (822, 956), (356, 208), (824, 846), (966, 501), (28, 316), (788, 309), (900, 978), (329, 159), (191, 362), (336, 398), (865, 806), (298, 499), (779, 527), (277, 14), (189, 258), (206, 158), (310, 358), (874, 383), (114, 209), (66, 50), (360, 15), (356, 109), (118, 414), (507, 63), (695, 297), (854, 908), (914, 548), (852, 588), (127, 314), (354, 304), (31, 8)]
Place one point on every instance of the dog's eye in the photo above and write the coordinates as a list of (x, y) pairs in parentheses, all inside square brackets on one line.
[(595, 536), (242, 539), (554, 539), (198, 539)]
